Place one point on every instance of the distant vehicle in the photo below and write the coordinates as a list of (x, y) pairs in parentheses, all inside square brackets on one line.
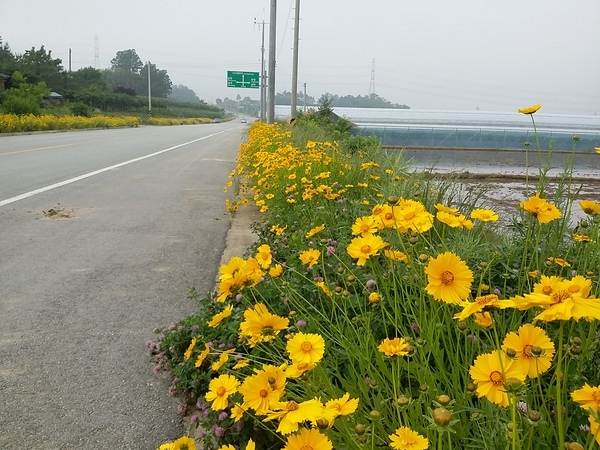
[(217, 120), (243, 120)]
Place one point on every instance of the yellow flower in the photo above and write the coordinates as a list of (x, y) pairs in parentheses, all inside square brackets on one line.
[(290, 414), (559, 261), (395, 255), (296, 370), (484, 319), (530, 336), (481, 303), (374, 297), (590, 207), (222, 360), (364, 226), (219, 389), (310, 257), (581, 238), (452, 220), (237, 412), (588, 397), (250, 445), (258, 393), (241, 364), (594, 424), (485, 215), (260, 325), (443, 208), (276, 270), (306, 347), (542, 210), (529, 109), (202, 356), (324, 288), (315, 230), (184, 443), (489, 372), (597, 151), (363, 247), (220, 317), (227, 447), (449, 278), (308, 440), (394, 347), (406, 439), (412, 215), (263, 256), (342, 406), (278, 230), (190, 349)]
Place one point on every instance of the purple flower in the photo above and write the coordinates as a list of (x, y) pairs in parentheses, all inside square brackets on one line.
[(182, 408), (219, 431), (239, 297), (497, 292), (201, 404), (195, 327), (330, 250), (223, 415), (522, 408), (301, 323), (172, 391), (194, 419), (371, 284)]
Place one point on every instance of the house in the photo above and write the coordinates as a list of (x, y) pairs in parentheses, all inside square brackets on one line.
[(3, 78), (54, 98)]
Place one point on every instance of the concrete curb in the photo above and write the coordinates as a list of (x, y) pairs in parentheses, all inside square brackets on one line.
[(240, 235)]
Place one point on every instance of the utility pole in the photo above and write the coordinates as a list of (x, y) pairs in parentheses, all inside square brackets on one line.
[(272, 36), (263, 77), (69, 60), (149, 93), (295, 63)]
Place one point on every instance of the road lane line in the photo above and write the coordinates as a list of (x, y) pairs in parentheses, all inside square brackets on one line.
[(106, 169)]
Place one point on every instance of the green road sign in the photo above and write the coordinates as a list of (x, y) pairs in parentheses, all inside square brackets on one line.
[(243, 79)]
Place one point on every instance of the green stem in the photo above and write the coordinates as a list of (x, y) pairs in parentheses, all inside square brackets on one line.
[(559, 381), (513, 414)]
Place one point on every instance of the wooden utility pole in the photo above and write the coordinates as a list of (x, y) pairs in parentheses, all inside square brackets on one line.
[(271, 79), (295, 63)]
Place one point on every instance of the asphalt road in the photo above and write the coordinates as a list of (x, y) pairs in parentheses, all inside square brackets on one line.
[(102, 233)]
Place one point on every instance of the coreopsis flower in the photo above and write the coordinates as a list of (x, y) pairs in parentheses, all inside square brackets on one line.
[(364, 226), (241, 364), (310, 257), (522, 342), (363, 247), (590, 207), (259, 325), (223, 358), (452, 220), (277, 229), (276, 271), (324, 288), (227, 447), (394, 347), (529, 109), (341, 407), (263, 256), (407, 439), (306, 347), (237, 412), (314, 231), (290, 414), (449, 278), (481, 303), (257, 393), (236, 274), (202, 356), (219, 390), (543, 210), (597, 150), (559, 261), (412, 215), (296, 370), (374, 297), (485, 215), (310, 439), (490, 371), (190, 349), (465, 223), (250, 445), (483, 319), (395, 255), (581, 238), (275, 376), (588, 397), (447, 209), (220, 317), (183, 443)]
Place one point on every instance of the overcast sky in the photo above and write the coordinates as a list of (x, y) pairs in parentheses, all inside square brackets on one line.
[(495, 55)]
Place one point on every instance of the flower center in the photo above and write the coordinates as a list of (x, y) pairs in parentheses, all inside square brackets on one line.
[(496, 377), (365, 249), (560, 296), (527, 351), (307, 447), (389, 216), (302, 366), (596, 397), (485, 299), (221, 391), (263, 393), (291, 406), (546, 290), (573, 289), (447, 277), (306, 346)]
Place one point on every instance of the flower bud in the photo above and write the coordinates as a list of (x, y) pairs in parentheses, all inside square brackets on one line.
[(441, 416), (392, 199), (443, 399), (413, 240), (471, 387), (375, 414), (574, 446), (359, 429), (462, 326), (423, 388), (322, 424), (423, 257), (576, 341), (575, 350), (350, 278), (536, 350), (511, 353), (403, 400), (534, 415)]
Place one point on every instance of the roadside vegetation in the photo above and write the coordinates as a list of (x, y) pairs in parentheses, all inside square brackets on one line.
[(381, 307)]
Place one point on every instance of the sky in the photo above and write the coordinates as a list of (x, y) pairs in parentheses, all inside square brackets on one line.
[(486, 55)]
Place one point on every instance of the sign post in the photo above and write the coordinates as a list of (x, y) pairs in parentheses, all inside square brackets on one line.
[(248, 80)]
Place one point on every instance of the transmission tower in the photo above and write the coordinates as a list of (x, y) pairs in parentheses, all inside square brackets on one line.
[(96, 52), (372, 85)]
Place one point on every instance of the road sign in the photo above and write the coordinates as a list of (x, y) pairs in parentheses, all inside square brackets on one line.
[(243, 79)]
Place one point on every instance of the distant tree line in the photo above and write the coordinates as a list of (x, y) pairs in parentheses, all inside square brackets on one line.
[(31, 76), (348, 101)]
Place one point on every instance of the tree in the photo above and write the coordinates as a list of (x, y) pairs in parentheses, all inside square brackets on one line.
[(24, 97), (183, 93), (8, 61), (39, 66), (128, 61), (159, 79), (83, 79)]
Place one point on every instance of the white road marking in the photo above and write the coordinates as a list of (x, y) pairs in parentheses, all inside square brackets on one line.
[(97, 172)]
